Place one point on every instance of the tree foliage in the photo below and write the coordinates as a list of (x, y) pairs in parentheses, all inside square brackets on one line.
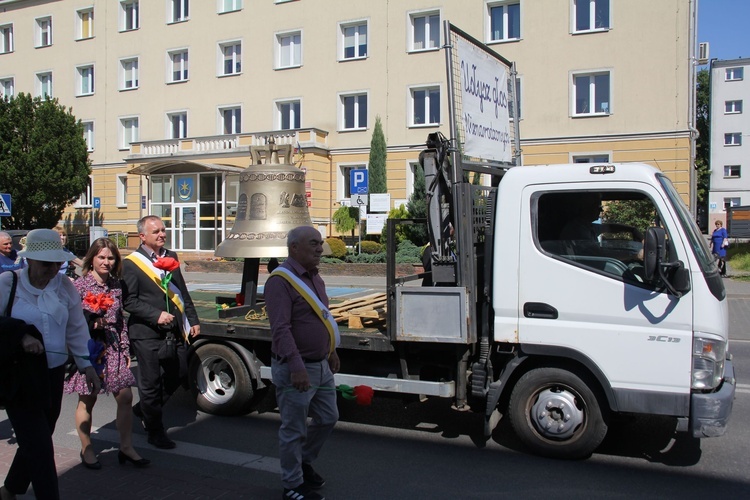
[(377, 163), (703, 144), (637, 213), (417, 208), (396, 213), (346, 219), (44, 163)]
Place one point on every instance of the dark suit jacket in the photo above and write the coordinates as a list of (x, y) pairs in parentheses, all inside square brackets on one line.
[(145, 300)]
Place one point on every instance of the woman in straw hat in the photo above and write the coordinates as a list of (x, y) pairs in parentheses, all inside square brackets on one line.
[(50, 306)]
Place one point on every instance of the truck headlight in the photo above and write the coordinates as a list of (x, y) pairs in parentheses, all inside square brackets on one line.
[(708, 362)]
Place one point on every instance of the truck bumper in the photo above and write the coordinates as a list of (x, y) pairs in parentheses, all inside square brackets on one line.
[(709, 413)]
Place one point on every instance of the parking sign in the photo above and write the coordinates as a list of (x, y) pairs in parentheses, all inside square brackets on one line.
[(358, 181)]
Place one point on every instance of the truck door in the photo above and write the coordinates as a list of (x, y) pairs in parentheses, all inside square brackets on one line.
[(583, 295)]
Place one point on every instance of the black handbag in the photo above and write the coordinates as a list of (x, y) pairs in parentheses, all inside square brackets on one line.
[(168, 348)]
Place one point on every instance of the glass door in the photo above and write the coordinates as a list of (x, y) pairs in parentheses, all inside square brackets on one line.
[(186, 227)]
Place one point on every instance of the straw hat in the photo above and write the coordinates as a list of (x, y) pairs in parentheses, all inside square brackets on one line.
[(45, 245)]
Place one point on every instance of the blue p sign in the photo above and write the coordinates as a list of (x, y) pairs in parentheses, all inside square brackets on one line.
[(358, 182)]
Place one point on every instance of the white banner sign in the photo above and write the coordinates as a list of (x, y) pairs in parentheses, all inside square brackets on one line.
[(380, 202), (376, 223), (484, 93)]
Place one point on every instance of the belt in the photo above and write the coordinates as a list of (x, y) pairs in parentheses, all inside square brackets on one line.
[(304, 360)]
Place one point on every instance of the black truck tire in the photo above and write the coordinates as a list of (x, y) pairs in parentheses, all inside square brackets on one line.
[(556, 414), (221, 382)]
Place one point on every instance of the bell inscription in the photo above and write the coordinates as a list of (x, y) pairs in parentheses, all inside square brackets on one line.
[(258, 207)]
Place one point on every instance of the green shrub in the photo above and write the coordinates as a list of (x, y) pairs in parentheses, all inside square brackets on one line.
[(365, 258), (371, 247), (338, 247), (408, 253)]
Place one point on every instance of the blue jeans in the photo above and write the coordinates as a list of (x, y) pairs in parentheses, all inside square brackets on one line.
[(299, 441)]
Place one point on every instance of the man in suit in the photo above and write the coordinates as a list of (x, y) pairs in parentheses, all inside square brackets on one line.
[(153, 319)]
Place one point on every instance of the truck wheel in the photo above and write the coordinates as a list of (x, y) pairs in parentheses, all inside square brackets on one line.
[(556, 414), (221, 381)]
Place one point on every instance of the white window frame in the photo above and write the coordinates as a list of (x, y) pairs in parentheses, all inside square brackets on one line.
[(87, 197), (733, 107), (591, 74), (39, 84), (178, 130), (431, 26), (129, 131), (81, 31), (293, 50), (357, 95), (43, 31), (411, 173), (133, 72), (234, 47), (733, 139), (283, 106), (502, 4), (130, 15), (184, 65), (6, 38), (226, 6), (122, 191), (428, 97), (591, 157), (236, 124), (590, 6), (734, 74), (88, 134), (181, 7), (356, 25), (82, 88), (734, 201), (7, 87), (730, 169), (342, 180)]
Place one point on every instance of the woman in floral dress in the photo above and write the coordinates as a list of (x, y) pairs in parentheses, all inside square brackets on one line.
[(101, 293)]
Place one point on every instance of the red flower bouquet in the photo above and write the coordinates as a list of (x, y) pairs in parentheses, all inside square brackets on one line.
[(362, 394), (98, 303), (167, 264)]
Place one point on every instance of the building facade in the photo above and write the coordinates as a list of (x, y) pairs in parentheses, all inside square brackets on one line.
[(730, 128), (173, 94)]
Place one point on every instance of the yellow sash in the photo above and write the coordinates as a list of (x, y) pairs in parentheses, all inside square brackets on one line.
[(323, 313)]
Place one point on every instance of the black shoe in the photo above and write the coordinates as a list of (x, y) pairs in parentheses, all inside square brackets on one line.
[(139, 413), (140, 463), (301, 492), (95, 466), (312, 479), (160, 440)]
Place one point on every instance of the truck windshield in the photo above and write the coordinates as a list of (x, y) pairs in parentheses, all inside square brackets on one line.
[(696, 239)]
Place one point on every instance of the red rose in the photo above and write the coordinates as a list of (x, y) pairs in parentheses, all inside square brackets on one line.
[(363, 394), (167, 264), (98, 303)]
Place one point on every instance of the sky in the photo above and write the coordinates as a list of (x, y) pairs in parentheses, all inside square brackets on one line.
[(724, 25)]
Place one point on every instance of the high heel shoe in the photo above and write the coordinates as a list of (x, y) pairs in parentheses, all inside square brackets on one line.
[(95, 466), (140, 463)]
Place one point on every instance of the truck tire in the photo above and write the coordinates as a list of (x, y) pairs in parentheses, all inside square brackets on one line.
[(221, 382), (555, 414)]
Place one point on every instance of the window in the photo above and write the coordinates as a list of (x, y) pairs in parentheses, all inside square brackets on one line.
[(128, 131), (590, 15), (44, 84), (731, 171), (129, 73), (230, 55), (731, 202), (733, 139), (344, 187), (87, 197), (85, 80), (732, 74), (229, 5), (591, 94), (731, 107), (289, 50), (85, 23), (505, 20), (591, 158), (178, 64), (177, 125), (6, 38), (425, 105), (122, 190), (179, 10), (353, 40), (288, 115), (129, 15), (231, 120), (88, 135), (43, 32), (425, 30), (353, 112), (7, 87)]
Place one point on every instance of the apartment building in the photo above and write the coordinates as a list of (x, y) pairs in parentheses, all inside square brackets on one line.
[(173, 94), (730, 129)]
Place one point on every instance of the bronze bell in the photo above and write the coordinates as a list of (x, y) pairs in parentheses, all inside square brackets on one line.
[(272, 201)]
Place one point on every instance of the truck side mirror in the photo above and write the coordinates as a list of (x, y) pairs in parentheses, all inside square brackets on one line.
[(654, 251)]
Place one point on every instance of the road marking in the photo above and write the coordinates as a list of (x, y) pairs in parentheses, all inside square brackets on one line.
[(743, 388), (190, 450)]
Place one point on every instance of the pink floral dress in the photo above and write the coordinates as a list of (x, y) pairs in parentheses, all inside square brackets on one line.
[(117, 375)]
